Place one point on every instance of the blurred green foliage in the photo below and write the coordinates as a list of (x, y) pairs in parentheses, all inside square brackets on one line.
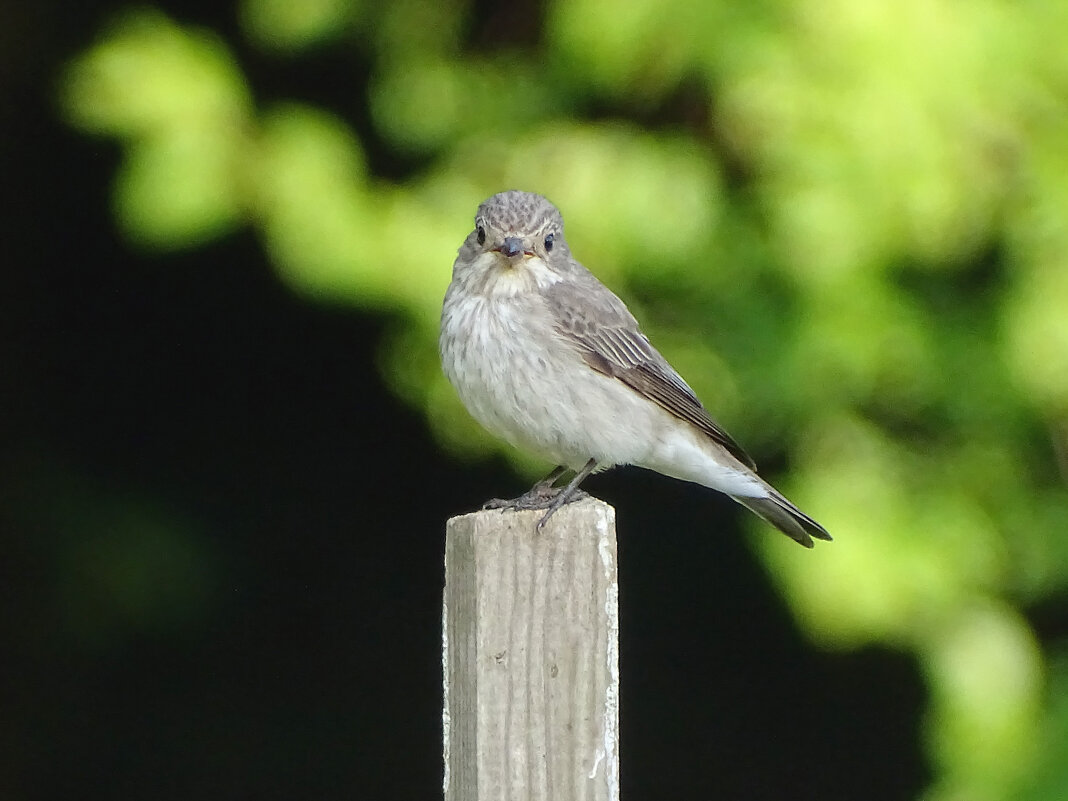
[(854, 245)]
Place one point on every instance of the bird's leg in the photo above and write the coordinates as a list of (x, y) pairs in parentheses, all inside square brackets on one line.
[(537, 497), (569, 493), (545, 488)]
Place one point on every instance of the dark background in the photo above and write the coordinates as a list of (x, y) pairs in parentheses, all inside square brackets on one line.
[(223, 537)]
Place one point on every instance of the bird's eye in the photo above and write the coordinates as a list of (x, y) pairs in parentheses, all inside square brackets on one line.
[(548, 243), (481, 235)]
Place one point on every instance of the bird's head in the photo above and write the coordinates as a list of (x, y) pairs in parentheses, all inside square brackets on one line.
[(520, 232)]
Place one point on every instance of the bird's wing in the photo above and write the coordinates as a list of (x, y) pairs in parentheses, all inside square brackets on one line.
[(606, 334)]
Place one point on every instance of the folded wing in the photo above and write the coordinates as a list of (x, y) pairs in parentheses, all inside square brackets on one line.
[(606, 334)]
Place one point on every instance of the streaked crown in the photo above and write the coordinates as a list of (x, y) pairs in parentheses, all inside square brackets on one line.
[(516, 212)]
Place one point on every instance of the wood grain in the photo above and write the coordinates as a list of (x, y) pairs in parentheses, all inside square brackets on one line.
[(530, 656)]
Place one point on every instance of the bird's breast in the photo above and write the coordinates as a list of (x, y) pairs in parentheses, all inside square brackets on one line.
[(527, 385)]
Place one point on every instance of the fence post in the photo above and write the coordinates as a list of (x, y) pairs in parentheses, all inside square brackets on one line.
[(530, 655)]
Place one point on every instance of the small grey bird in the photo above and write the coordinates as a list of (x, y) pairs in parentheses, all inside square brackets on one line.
[(546, 357)]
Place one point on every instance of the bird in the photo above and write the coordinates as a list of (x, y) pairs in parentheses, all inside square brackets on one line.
[(549, 359)]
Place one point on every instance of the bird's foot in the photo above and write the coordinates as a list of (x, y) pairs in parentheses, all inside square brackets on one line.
[(537, 497), (544, 495)]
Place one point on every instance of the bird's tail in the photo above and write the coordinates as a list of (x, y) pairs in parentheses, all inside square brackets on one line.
[(786, 517)]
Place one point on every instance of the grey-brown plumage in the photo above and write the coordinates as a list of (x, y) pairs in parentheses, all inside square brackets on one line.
[(615, 346), (548, 358)]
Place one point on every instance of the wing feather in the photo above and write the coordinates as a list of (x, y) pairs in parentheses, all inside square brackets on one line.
[(609, 339)]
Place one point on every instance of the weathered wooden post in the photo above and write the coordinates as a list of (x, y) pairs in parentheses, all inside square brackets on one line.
[(530, 654)]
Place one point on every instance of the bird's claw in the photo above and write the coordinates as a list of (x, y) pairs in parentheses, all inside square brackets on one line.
[(538, 497)]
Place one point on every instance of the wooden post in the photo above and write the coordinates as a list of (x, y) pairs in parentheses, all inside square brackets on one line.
[(530, 654)]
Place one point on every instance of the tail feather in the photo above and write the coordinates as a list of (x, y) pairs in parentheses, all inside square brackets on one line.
[(786, 517)]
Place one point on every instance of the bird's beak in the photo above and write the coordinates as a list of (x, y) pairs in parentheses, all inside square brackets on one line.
[(512, 247)]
